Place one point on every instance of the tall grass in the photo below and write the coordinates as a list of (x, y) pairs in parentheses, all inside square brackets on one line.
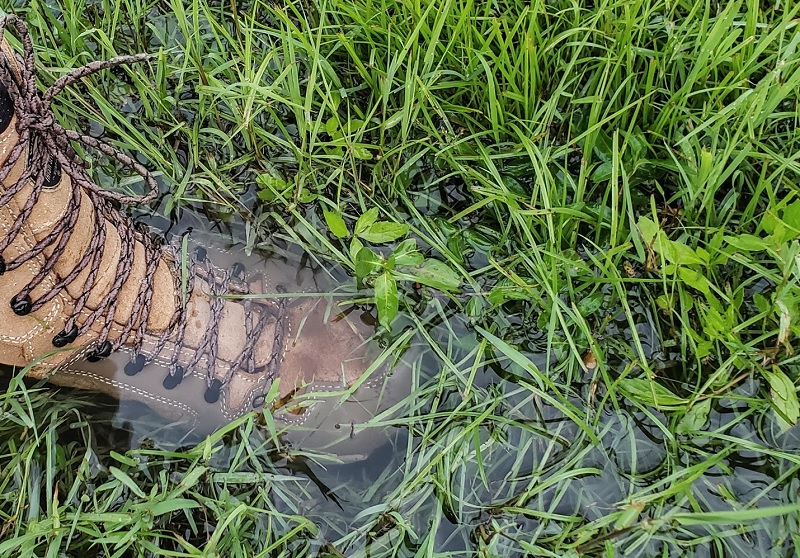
[(612, 187)]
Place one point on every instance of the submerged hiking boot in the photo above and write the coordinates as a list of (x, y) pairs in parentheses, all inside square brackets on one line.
[(90, 300)]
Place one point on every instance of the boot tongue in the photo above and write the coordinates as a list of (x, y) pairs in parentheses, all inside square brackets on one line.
[(51, 169), (6, 108)]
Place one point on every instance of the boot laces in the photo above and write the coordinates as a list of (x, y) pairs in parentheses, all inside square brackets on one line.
[(46, 140)]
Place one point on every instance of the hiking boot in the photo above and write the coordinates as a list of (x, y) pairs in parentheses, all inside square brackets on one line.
[(89, 299)]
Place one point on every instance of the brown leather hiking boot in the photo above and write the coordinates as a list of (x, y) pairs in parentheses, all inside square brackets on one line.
[(89, 300)]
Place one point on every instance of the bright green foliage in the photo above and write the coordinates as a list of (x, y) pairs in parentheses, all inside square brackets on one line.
[(585, 216)]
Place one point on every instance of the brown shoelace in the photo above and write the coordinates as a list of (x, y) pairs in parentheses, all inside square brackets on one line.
[(46, 141)]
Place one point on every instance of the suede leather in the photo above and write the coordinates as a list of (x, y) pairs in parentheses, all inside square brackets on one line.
[(321, 351), (26, 339)]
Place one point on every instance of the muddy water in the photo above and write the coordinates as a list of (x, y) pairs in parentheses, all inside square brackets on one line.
[(534, 456)]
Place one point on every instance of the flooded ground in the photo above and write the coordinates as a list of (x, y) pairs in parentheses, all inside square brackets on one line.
[(534, 458), (515, 434)]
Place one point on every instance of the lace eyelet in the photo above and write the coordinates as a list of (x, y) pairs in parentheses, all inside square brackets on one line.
[(65, 337), (259, 400), (238, 270), (135, 366), (101, 352), (212, 393), (22, 306), (172, 380)]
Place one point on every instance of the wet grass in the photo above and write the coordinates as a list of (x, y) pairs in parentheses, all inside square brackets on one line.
[(587, 212)]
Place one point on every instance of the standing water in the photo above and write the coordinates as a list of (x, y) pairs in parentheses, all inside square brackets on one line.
[(510, 441)]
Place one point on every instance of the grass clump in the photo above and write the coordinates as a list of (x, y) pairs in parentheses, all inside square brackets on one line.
[(586, 213)]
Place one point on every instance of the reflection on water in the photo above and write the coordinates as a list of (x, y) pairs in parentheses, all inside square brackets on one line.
[(527, 450), (481, 457)]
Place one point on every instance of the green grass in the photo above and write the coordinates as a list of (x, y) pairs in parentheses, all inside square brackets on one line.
[(587, 212)]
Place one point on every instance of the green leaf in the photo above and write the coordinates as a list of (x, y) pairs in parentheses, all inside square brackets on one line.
[(366, 220), (780, 235), (715, 324), (588, 305), (273, 182), (665, 302), (516, 357), (272, 187), (762, 303), (355, 247), (513, 185), (695, 418), (648, 229), (603, 147), (432, 273), (769, 222), (386, 299), (332, 125), (307, 196), (123, 477), (784, 305), (747, 242), (736, 517), (505, 291), (393, 120), (695, 280), (361, 152), (681, 254), (652, 394), (191, 478), (266, 195), (456, 245), (791, 216), (384, 231), (603, 172), (172, 505), (703, 349), (629, 515), (637, 144), (353, 125), (706, 166), (784, 395), (406, 253), (124, 459), (336, 224), (475, 307), (367, 262)]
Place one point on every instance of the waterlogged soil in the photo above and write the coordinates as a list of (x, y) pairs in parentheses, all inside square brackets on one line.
[(535, 460), (537, 469)]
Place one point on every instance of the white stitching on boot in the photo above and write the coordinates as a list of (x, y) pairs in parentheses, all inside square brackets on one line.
[(126, 387), (49, 318)]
